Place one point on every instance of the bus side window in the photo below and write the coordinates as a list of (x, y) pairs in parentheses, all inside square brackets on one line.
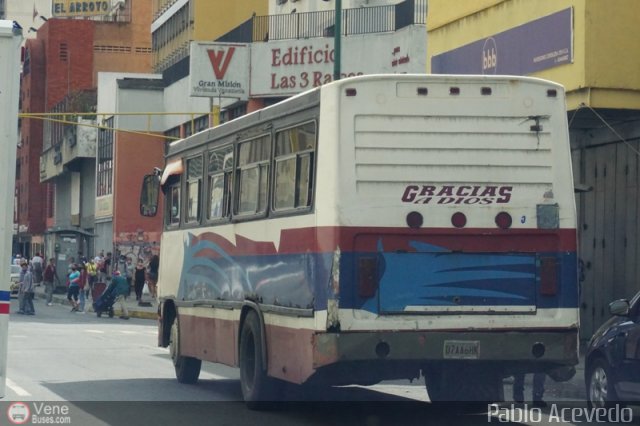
[(253, 175), (174, 205), (194, 183), (294, 167), (220, 167)]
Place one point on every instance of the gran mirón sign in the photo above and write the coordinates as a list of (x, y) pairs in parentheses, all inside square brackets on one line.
[(219, 70)]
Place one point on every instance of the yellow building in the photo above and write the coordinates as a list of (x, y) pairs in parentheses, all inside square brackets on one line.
[(592, 47), (178, 22)]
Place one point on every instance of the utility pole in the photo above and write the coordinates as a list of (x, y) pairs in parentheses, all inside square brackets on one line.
[(337, 38)]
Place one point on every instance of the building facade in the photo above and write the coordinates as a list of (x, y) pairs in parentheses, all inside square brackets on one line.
[(591, 47), (57, 185)]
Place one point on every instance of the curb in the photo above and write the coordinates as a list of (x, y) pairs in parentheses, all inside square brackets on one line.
[(89, 309)]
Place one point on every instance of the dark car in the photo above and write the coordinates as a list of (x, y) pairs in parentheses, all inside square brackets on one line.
[(612, 362)]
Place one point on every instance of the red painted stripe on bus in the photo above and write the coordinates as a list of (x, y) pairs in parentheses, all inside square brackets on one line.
[(4, 308), (364, 239)]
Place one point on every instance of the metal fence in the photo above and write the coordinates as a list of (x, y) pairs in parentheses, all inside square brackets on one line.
[(362, 20)]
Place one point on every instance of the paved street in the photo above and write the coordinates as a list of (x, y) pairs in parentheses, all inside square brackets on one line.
[(99, 366)]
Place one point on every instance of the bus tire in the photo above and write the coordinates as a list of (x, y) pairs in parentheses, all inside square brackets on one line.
[(257, 388), (187, 368)]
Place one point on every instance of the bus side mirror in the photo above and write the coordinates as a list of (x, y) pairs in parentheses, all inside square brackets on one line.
[(149, 195)]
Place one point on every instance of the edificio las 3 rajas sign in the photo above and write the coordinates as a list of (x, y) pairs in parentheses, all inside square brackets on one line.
[(80, 8)]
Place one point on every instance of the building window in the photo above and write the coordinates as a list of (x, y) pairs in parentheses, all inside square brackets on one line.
[(220, 168), (63, 52), (172, 134), (295, 149), (253, 175), (104, 178), (194, 182)]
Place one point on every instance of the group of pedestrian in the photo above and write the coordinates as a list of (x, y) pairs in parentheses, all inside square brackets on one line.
[(82, 278)]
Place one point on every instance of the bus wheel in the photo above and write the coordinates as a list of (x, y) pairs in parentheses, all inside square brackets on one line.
[(187, 368), (257, 388)]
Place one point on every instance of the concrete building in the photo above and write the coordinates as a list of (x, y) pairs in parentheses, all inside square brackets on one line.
[(376, 33), (131, 149), (591, 47), (57, 184)]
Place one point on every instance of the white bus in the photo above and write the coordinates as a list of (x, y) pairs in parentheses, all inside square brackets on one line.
[(10, 39), (378, 227)]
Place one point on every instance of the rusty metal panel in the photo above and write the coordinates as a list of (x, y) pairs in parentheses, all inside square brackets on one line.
[(587, 244), (633, 252), (619, 222), (608, 160)]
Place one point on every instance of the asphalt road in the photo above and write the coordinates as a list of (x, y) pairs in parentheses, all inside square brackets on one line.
[(85, 370)]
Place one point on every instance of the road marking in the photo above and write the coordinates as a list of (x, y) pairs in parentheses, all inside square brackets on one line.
[(94, 331), (15, 388), (128, 332)]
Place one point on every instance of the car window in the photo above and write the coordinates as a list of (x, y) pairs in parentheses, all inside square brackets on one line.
[(15, 269)]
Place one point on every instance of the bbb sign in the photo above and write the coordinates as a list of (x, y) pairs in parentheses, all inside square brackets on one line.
[(489, 56)]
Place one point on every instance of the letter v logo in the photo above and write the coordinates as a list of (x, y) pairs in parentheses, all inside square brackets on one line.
[(220, 61)]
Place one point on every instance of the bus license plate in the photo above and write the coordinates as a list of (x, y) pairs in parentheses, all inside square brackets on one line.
[(461, 349)]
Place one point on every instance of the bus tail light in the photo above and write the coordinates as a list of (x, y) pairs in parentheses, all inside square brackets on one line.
[(459, 220), (548, 276), (415, 220), (503, 220), (367, 277)]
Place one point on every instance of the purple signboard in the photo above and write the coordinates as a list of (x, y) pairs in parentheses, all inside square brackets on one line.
[(534, 46)]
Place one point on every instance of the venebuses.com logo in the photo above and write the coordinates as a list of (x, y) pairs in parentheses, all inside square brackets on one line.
[(522, 413), (20, 413)]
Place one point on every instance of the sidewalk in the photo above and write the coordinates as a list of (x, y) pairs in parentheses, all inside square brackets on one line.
[(135, 311)]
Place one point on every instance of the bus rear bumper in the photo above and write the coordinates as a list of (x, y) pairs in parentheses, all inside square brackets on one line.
[(513, 348)]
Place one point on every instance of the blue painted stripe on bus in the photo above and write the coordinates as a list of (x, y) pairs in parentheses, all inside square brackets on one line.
[(303, 280), (5, 296), (499, 287)]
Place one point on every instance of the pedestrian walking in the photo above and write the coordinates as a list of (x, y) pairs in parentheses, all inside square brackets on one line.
[(537, 392), (139, 279), (130, 270), (92, 275), (82, 283), (152, 274), (121, 288), (50, 278), (37, 268), (23, 270), (27, 288), (73, 291)]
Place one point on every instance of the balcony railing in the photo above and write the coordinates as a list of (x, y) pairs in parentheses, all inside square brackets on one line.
[(362, 20)]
